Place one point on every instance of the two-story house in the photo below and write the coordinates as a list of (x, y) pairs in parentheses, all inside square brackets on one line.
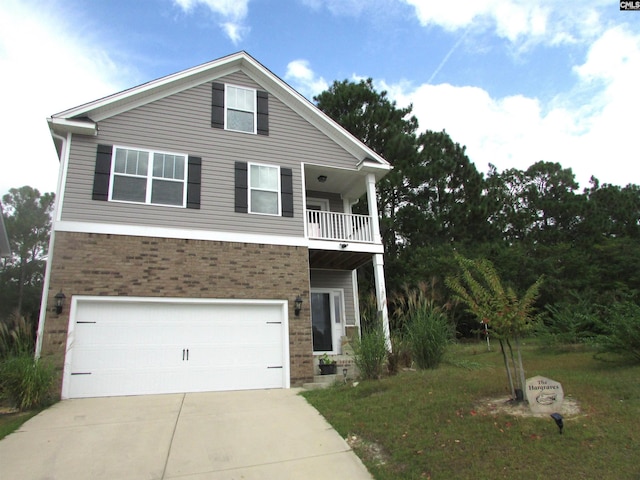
[(203, 237)]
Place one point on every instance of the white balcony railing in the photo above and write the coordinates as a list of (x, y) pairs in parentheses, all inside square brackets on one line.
[(339, 226)]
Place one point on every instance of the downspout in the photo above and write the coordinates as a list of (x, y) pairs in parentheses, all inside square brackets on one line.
[(56, 217)]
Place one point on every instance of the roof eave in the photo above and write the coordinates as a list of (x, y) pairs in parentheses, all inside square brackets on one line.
[(63, 126)]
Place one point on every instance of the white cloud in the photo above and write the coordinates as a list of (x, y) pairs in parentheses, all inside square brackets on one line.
[(519, 21), (340, 7), (593, 137), (304, 80), (44, 72), (232, 13)]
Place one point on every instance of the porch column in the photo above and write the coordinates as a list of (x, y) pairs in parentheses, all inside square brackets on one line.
[(381, 295), (372, 199), (378, 261)]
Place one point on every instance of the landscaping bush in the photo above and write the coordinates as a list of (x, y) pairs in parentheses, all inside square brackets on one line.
[(568, 323), (16, 337), (622, 327), (370, 351), (26, 382), (428, 330), (400, 354)]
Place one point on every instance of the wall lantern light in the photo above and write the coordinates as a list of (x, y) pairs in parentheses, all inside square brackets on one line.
[(60, 298), (322, 178), (297, 305)]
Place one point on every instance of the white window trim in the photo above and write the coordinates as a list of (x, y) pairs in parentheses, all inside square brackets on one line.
[(340, 325), (255, 108), (149, 176), (250, 189)]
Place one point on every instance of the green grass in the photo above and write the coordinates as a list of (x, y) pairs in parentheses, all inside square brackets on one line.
[(10, 422), (429, 424)]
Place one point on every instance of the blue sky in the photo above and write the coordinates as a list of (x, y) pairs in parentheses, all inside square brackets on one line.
[(516, 81)]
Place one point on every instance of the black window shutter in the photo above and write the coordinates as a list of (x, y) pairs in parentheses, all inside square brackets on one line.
[(102, 173), (286, 184), (263, 113), (217, 105), (241, 188), (193, 182)]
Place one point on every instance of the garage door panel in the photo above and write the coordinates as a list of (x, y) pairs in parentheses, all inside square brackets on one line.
[(141, 347)]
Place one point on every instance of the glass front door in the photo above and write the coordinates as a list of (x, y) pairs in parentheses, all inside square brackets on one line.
[(321, 322)]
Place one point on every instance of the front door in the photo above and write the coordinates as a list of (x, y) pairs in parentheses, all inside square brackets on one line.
[(326, 320), (321, 322)]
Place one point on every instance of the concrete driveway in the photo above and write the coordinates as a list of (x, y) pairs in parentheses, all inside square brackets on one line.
[(258, 434)]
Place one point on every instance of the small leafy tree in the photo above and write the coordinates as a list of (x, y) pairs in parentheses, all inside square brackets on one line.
[(479, 287)]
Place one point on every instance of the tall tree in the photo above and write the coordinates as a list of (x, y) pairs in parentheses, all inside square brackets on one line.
[(388, 130), (27, 217), (444, 199)]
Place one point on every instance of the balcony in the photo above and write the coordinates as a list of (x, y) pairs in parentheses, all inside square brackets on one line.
[(341, 227)]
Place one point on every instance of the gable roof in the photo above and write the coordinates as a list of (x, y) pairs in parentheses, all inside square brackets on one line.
[(83, 119)]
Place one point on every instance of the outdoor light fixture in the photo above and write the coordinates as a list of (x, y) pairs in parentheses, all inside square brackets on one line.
[(297, 305), (558, 418), (322, 178), (60, 297)]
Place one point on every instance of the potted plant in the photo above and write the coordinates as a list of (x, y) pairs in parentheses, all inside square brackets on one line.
[(327, 365)]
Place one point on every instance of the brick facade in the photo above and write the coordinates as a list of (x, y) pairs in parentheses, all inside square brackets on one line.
[(98, 264)]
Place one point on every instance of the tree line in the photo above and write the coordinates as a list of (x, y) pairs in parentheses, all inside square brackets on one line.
[(435, 203)]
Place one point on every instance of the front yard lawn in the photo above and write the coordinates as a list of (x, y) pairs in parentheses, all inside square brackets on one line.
[(439, 424)]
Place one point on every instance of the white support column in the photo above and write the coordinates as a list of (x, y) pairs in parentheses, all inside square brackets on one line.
[(372, 199), (378, 262), (381, 296)]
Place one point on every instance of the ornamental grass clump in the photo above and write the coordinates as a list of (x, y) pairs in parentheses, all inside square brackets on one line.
[(428, 330), (26, 381)]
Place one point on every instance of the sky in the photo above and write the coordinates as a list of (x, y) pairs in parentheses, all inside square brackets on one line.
[(515, 81)]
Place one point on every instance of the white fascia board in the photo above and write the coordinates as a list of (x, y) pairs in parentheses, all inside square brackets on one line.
[(307, 110), (163, 232), (156, 89), (333, 245), (64, 125)]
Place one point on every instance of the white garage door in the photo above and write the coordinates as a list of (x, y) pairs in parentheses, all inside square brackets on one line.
[(138, 346)]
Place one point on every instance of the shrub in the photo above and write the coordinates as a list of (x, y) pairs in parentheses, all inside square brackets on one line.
[(400, 354), (622, 330), (370, 351), (26, 382), (569, 322)]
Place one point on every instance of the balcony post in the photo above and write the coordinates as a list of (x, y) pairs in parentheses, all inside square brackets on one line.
[(373, 207), (381, 296)]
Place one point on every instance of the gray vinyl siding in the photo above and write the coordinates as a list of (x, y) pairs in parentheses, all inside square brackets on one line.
[(337, 279), (181, 123)]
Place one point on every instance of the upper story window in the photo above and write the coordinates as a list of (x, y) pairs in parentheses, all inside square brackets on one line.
[(145, 176), (240, 109), (264, 189)]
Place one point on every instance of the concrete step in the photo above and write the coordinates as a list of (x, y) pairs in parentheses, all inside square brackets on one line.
[(322, 381)]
